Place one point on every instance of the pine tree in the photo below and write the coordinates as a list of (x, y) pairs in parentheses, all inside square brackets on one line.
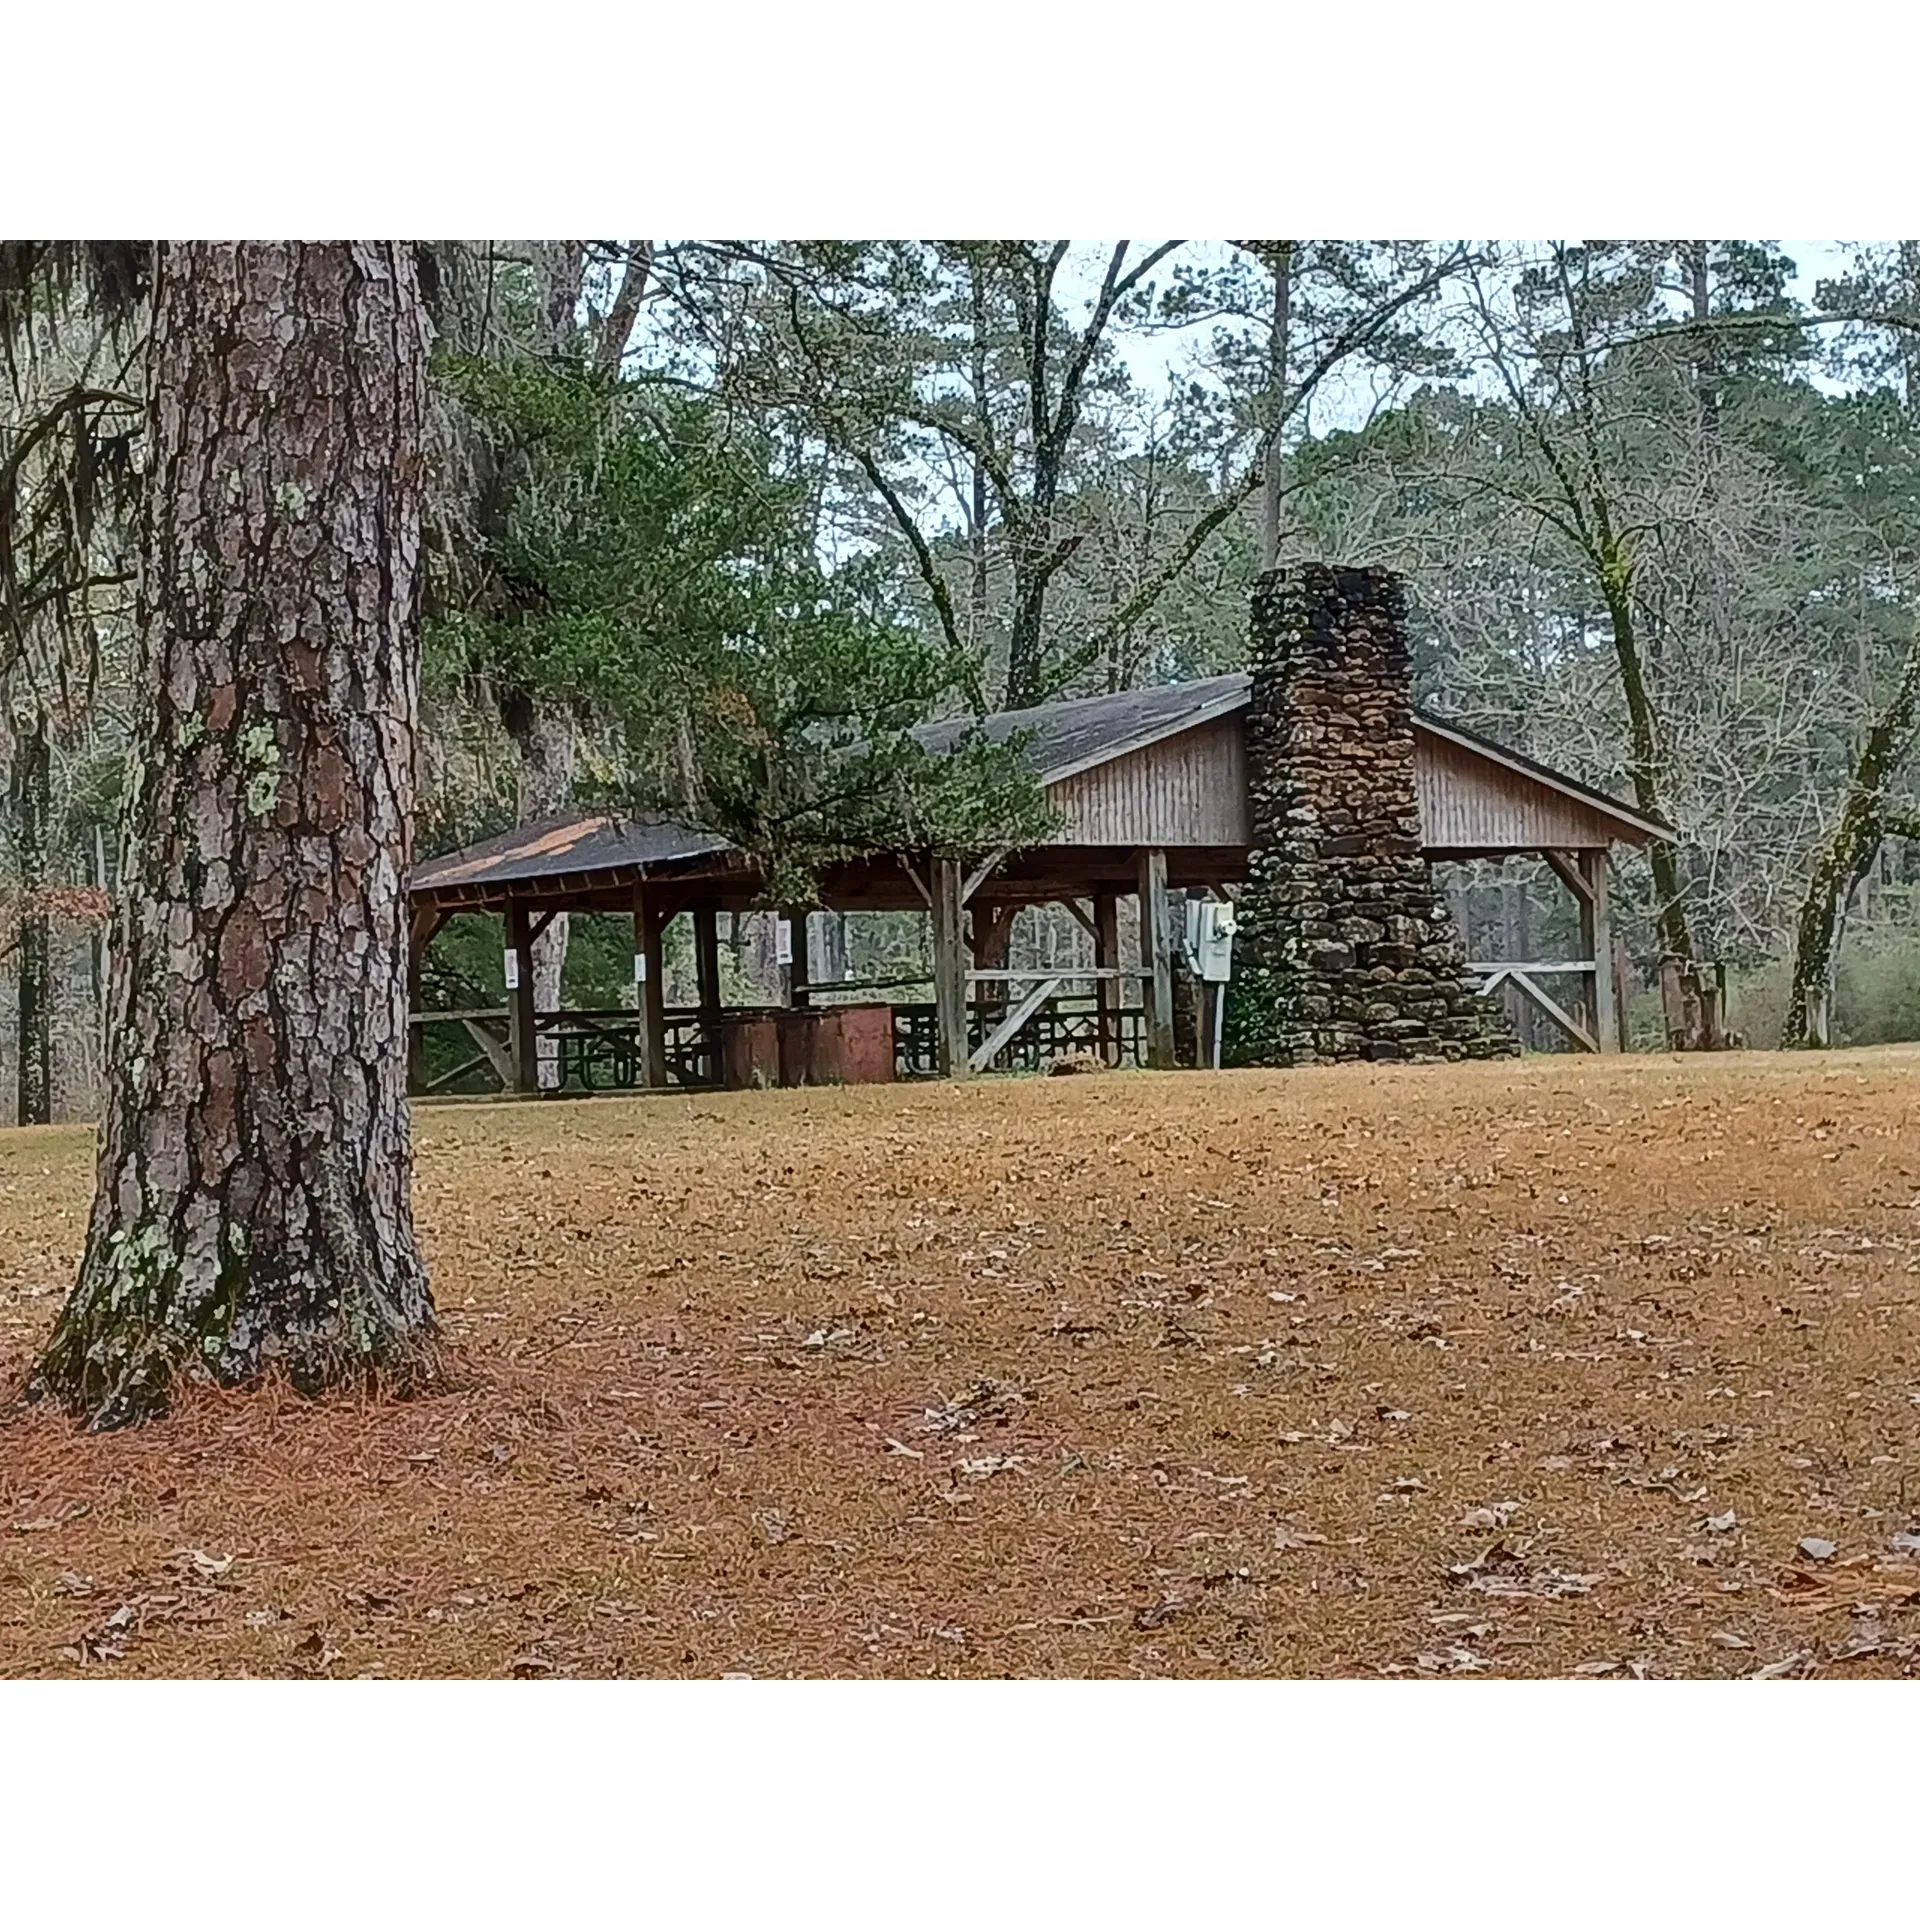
[(253, 1208)]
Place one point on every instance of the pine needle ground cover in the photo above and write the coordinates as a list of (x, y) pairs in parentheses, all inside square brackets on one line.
[(1562, 1367)]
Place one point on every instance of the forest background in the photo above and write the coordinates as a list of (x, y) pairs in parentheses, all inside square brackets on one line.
[(705, 512)]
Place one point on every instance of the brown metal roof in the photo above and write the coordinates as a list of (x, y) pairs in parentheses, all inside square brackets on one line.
[(556, 849)]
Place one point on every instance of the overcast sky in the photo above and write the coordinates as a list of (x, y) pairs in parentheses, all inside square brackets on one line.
[(1154, 359)]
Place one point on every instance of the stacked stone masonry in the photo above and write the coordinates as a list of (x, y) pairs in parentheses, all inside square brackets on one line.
[(1345, 949)]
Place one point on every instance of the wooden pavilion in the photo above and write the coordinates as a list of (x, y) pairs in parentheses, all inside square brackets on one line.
[(1150, 788)]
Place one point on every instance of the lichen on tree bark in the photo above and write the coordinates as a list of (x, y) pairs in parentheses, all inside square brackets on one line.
[(253, 1208), (1840, 865)]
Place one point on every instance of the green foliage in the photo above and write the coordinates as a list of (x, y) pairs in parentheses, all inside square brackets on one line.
[(1876, 992), (651, 564), (1876, 997)]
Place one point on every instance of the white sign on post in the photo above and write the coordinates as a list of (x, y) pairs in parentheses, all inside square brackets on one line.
[(513, 968), (639, 969), (783, 942)]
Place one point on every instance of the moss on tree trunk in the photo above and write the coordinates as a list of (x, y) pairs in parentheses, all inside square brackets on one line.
[(1840, 865), (253, 1210)]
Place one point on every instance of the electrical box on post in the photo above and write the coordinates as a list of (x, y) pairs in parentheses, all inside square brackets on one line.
[(1210, 938)]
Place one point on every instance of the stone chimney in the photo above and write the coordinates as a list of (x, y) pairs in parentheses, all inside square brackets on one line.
[(1345, 949)]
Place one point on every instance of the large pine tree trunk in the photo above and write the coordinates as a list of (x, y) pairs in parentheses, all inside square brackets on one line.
[(253, 1208), (32, 804)]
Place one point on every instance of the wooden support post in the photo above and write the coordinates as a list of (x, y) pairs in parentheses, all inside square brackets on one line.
[(1596, 941), (649, 990), (1156, 956), (1622, 988), (800, 966), (423, 925), (519, 967), (706, 969), (992, 938), (706, 959), (949, 969), (1106, 955)]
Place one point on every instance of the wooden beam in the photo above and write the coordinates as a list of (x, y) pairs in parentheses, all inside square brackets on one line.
[(706, 958), (1016, 1018), (919, 886), (974, 880), (649, 990), (1517, 976), (1106, 958), (497, 1056), (467, 1065), (949, 969), (1080, 913), (1580, 1035), (1054, 973), (1596, 937), (800, 958), (519, 969), (1572, 872), (1529, 966), (1156, 956)]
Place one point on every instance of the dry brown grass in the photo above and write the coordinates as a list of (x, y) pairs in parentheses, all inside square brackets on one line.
[(1171, 1374)]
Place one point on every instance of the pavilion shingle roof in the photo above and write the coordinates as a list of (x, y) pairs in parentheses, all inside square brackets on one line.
[(1069, 735), (1065, 737)]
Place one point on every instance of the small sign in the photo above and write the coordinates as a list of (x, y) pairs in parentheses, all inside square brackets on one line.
[(783, 942), (639, 969), (513, 968)]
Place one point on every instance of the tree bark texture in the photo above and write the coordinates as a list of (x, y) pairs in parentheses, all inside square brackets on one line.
[(1843, 861), (32, 808), (253, 1209), (1644, 766), (1279, 345)]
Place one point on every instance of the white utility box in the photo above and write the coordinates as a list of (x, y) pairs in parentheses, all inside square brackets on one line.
[(1210, 938)]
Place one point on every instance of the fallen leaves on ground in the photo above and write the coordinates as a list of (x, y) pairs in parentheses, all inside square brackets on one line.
[(1546, 1369)]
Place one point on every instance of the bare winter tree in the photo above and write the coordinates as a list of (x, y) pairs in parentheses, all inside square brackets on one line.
[(66, 482), (1885, 289), (253, 1208)]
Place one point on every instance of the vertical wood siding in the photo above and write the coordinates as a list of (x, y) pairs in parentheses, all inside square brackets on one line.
[(1470, 803), (1191, 791)]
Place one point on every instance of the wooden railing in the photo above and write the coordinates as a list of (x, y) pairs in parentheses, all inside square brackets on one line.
[(1520, 976), (598, 1049)]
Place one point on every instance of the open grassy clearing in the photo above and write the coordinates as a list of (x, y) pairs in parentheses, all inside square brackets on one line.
[(1173, 1374)]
